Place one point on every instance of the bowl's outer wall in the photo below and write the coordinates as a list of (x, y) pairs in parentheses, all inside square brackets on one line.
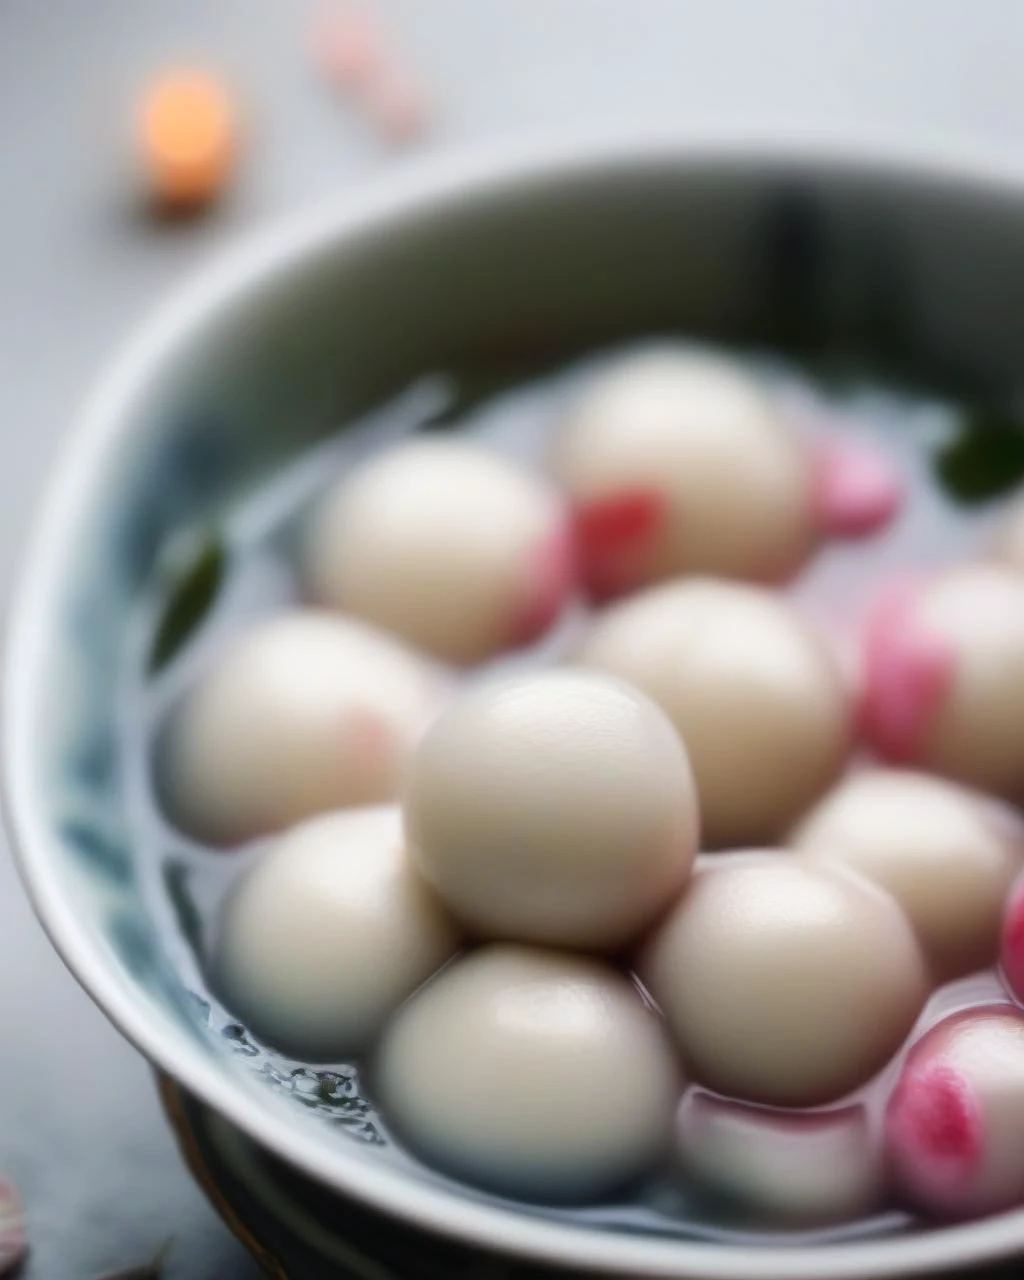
[(923, 273)]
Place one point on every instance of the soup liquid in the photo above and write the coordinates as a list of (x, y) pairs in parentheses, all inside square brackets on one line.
[(246, 573)]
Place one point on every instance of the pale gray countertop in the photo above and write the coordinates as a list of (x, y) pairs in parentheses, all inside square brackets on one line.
[(80, 1128)]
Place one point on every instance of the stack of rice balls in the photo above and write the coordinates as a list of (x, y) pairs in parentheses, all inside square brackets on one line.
[(677, 906)]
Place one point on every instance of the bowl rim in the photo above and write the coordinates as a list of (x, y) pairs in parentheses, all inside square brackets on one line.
[(420, 186)]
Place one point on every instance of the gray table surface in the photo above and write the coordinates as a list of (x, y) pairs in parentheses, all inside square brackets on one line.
[(80, 1127)]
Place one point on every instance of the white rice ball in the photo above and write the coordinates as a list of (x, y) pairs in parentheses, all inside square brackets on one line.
[(754, 693), (304, 713), (327, 933), (532, 1073), (456, 550), (785, 982), (556, 808)]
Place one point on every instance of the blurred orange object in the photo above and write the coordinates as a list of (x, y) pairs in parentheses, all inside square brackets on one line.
[(189, 136)]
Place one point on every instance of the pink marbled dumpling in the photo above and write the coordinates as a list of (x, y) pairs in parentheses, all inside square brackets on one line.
[(793, 1167), (955, 1121), (944, 677), (679, 462), (676, 463), (1011, 940)]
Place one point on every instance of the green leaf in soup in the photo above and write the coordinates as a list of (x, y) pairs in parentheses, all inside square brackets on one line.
[(197, 579), (985, 459)]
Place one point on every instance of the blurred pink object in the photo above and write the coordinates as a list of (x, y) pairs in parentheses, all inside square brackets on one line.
[(348, 46), (906, 673), (856, 490), (397, 105), (355, 53), (614, 534)]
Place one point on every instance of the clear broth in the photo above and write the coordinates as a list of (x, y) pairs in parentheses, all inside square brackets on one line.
[(251, 555)]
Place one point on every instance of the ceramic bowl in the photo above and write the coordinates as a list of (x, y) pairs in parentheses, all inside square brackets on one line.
[(913, 261)]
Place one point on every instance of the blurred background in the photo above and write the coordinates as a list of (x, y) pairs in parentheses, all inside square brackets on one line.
[(83, 258)]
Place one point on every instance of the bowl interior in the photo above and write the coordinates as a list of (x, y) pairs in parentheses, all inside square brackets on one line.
[(492, 269)]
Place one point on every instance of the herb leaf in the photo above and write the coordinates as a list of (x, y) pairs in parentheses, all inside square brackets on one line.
[(985, 459), (193, 592)]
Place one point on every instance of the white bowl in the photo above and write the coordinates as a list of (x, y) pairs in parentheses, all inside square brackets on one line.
[(917, 259)]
